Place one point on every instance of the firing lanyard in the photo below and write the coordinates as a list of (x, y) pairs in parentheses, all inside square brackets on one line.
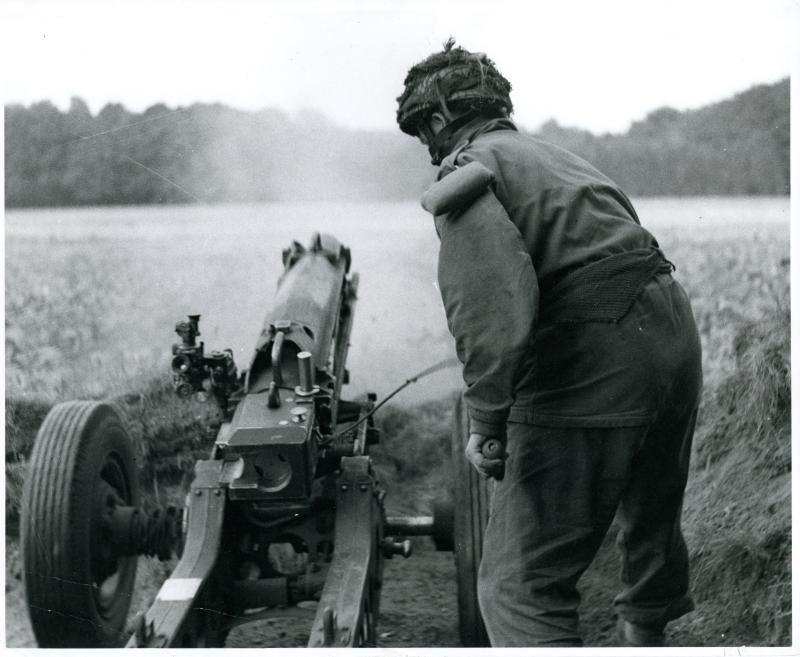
[(441, 365)]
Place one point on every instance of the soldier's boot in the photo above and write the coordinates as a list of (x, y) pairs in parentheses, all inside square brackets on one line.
[(636, 635)]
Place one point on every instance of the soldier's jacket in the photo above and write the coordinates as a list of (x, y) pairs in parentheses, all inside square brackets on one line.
[(541, 262)]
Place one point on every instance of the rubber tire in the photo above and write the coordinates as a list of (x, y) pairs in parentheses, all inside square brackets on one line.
[(471, 497), (75, 442)]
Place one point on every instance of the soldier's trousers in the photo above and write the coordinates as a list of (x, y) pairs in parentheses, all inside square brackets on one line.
[(562, 489)]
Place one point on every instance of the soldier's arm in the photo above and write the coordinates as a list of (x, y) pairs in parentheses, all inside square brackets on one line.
[(490, 295)]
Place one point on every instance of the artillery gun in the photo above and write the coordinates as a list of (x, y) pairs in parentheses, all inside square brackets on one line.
[(289, 469)]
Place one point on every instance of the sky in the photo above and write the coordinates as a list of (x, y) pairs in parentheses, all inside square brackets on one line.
[(593, 65)]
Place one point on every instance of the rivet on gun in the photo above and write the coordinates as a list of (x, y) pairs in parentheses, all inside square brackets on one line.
[(198, 492), (217, 492), (363, 488), (344, 486)]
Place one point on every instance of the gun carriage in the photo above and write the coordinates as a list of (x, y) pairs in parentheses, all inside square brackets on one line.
[(289, 469)]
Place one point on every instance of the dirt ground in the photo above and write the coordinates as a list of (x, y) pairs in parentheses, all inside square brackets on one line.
[(418, 606)]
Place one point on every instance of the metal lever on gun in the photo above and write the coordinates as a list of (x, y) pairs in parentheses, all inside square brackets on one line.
[(305, 368), (274, 399)]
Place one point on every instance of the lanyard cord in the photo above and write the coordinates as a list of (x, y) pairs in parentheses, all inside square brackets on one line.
[(447, 362)]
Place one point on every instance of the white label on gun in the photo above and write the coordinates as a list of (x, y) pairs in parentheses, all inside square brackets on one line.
[(179, 588)]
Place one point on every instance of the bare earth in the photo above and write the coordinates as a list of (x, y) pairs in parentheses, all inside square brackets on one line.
[(418, 606)]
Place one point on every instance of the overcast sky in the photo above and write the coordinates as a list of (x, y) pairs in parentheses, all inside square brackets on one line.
[(596, 65)]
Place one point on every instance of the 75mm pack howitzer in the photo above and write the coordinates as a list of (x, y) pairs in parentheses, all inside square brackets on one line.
[(289, 470)]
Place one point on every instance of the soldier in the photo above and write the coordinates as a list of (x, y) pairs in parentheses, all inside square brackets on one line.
[(580, 353)]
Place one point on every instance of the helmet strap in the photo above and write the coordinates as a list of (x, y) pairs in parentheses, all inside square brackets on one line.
[(445, 140), (425, 130)]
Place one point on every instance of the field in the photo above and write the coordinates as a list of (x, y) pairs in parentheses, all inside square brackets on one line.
[(92, 297)]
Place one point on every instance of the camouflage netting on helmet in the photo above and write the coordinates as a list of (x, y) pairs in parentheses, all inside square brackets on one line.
[(452, 77)]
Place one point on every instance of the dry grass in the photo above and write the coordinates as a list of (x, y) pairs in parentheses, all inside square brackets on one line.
[(413, 457), (738, 511), (169, 434)]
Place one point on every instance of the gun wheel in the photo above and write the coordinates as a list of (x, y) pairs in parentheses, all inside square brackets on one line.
[(78, 588), (471, 504)]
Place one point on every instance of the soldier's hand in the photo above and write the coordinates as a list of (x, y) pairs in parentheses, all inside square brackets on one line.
[(487, 454)]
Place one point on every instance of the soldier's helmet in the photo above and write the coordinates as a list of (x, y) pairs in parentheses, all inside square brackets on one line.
[(453, 79)]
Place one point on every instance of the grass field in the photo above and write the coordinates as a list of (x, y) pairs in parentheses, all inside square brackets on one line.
[(91, 316)]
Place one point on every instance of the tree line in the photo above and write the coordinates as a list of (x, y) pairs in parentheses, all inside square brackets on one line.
[(214, 153)]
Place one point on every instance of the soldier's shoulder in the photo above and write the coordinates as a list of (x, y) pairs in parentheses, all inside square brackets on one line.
[(457, 187)]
